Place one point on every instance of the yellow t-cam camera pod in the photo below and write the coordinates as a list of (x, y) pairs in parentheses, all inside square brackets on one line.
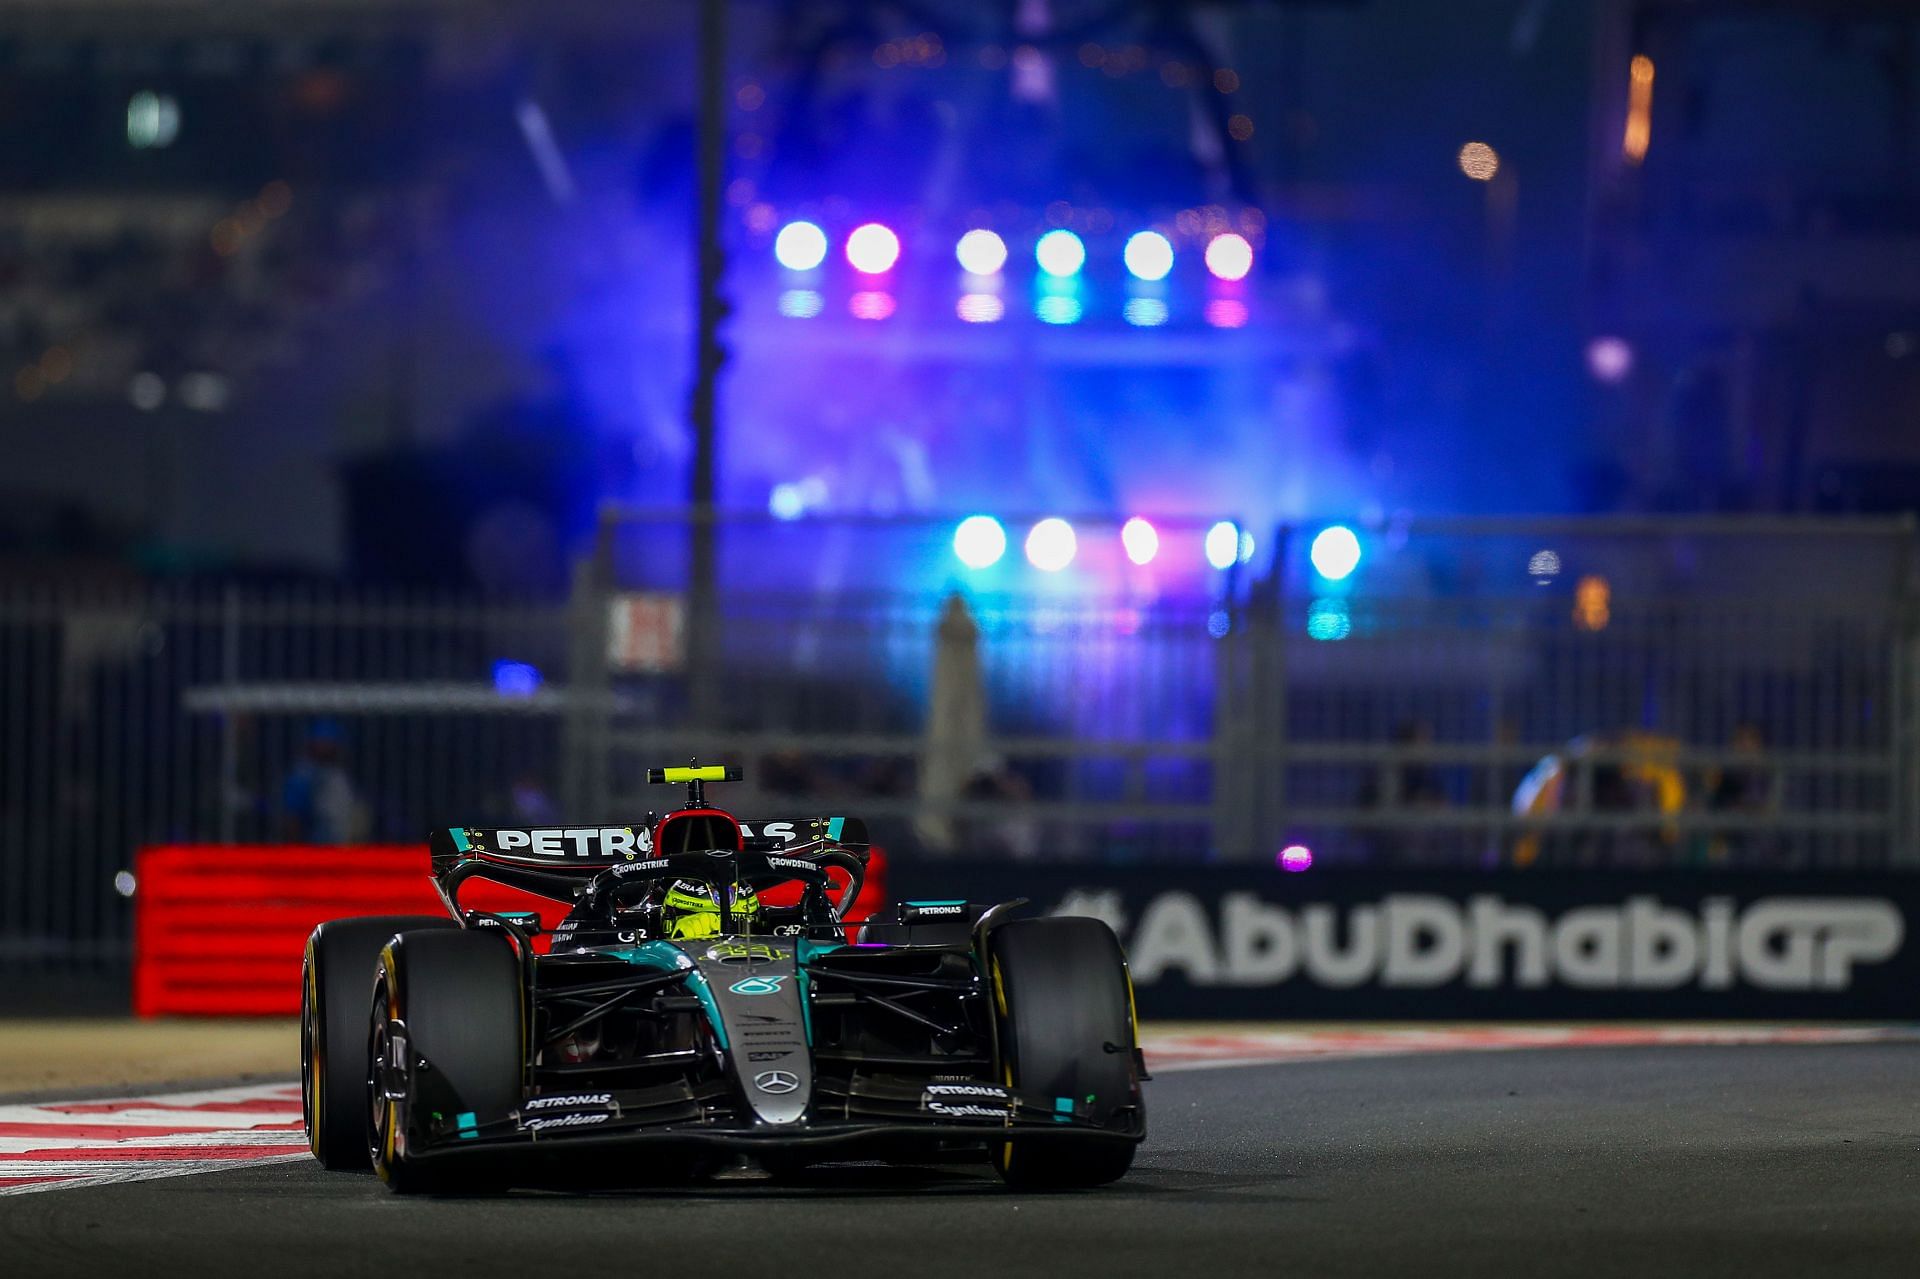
[(709, 773)]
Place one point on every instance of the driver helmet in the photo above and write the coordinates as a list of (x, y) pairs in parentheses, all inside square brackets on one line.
[(691, 911)]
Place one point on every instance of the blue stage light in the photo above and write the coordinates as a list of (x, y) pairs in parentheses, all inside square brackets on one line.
[(800, 246), (1060, 253), (1223, 544), (1058, 308), (1051, 545), (1149, 255), (800, 304), (787, 502), (979, 541), (515, 679), (1335, 552), (981, 252), (1327, 619)]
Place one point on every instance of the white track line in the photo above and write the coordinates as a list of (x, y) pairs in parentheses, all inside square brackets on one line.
[(61, 1145)]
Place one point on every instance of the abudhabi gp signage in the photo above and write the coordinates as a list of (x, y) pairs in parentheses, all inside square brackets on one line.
[(1416, 941), (1231, 944)]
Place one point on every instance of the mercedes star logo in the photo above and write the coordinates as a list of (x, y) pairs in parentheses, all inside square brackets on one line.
[(776, 1081)]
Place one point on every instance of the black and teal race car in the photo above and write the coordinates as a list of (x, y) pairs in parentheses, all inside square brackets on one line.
[(682, 1023)]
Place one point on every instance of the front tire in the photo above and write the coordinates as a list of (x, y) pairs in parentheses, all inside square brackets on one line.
[(336, 979), (461, 1002), (1065, 1007)]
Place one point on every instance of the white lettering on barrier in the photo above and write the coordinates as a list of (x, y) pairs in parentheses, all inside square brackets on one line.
[(1416, 941), (1174, 933)]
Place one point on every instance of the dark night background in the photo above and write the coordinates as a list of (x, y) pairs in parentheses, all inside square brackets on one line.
[(399, 292)]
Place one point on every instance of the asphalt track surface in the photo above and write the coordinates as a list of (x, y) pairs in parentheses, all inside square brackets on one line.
[(1750, 1160)]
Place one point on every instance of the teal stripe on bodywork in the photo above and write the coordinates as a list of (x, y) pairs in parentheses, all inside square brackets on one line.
[(805, 952), (459, 838), (834, 826), (668, 958)]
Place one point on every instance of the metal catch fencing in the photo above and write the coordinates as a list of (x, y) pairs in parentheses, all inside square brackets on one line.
[(1486, 693), (1499, 693), (132, 715)]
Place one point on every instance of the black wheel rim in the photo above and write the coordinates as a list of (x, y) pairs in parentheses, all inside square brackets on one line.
[(309, 1070), (378, 1112)]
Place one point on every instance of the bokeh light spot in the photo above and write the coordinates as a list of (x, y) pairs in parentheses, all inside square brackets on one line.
[(1479, 161), (1327, 619), (1229, 256), (1051, 545), (1609, 359), (873, 249), (1227, 313), (1335, 552), (1148, 255), (1058, 309), (1145, 313), (979, 308), (979, 541), (800, 304), (870, 304), (1060, 253), (787, 502), (1141, 540), (1223, 544), (981, 252), (800, 246)]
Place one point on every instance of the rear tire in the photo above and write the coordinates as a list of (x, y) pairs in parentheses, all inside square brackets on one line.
[(462, 1001), (1065, 1004), (335, 984)]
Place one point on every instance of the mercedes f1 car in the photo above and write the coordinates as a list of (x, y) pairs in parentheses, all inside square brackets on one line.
[(683, 1021)]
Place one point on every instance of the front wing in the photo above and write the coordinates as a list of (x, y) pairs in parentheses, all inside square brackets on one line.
[(867, 1113)]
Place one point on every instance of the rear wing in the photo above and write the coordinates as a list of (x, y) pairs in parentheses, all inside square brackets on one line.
[(790, 834), (592, 848)]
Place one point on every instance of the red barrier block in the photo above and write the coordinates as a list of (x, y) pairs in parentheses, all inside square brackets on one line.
[(219, 929)]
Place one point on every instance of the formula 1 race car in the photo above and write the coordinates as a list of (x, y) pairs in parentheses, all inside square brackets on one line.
[(683, 1021)]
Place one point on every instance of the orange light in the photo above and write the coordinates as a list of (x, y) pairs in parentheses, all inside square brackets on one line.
[(1479, 161), (1592, 603), (1639, 134)]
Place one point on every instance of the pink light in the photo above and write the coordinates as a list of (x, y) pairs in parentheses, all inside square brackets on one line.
[(1609, 359), (1226, 313), (873, 249), (870, 304), (1229, 256), (1141, 540), (1295, 857)]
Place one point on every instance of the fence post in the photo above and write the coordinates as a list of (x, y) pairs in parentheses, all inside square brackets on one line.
[(1906, 708), (1232, 793), (1269, 711), (229, 725), (585, 756)]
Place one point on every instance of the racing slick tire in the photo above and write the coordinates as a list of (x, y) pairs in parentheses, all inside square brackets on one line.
[(461, 1000), (1065, 1004), (335, 983)]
